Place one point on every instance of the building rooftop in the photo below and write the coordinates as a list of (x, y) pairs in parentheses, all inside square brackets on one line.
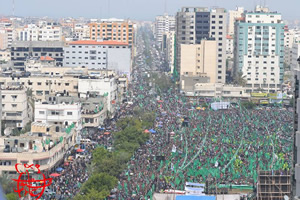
[(46, 58), (94, 42)]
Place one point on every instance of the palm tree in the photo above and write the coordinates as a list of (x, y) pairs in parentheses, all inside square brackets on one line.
[(6, 183), (240, 79)]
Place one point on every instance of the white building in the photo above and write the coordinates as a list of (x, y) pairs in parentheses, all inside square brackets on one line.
[(163, 24), (168, 45), (81, 31), (106, 86), (47, 32), (259, 49), (99, 55), (15, 110), (229, 47), (295, 56), (43, 146), (233, 15), (291, 36), (61, 115)]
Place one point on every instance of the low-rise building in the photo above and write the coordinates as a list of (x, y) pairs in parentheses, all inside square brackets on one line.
[(60, 115), (15, 108), (93, 109), (104, 86), (217, 90), (4, 56), (43, 146)]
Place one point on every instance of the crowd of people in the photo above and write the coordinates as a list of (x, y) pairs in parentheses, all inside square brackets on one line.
[(189, 144)]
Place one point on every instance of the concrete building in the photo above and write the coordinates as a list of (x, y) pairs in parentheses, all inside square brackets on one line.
[(4, 56), (229, 47), (194, 24), (118, 30), (42, 84), (81, 31), (110, 55), (163, 24), (15, 108), (60, 115), (259, 49), (168, 46), (48, 32), (296, 147), (198, 63), (232, 16), (295, 55), (103, 86), (43, 146), (3, 39), (217, 90), (23, 50), (93, 109), (291, 36)]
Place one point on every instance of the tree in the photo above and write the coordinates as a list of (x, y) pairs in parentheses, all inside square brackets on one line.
[(92, 194), (248, 105), (239, 79), (7, 184), (100, 183), (12, 196)]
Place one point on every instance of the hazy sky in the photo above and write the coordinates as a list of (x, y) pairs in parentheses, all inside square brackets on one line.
[(133, 9)]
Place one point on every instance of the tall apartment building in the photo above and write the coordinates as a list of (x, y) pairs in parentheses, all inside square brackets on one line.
[(3, 40), (198, 64), (47, 32), (23, 50), (295, 55), (259, 49), (291, 36), (232, 16), (195, 24), (113, 29), (168, 46), (163, 24), (7, 36)]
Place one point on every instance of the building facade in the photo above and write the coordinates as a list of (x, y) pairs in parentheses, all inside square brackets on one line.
[(47, 32), (232, 16), (23, 50), (198, 63), (195, 24), (113, 29), (163, 24), (259, 48)]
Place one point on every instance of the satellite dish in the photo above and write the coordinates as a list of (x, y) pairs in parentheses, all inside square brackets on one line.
[(286, 197), (7, 131)]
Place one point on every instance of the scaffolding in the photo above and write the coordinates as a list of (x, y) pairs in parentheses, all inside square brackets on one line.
[(274, 185)]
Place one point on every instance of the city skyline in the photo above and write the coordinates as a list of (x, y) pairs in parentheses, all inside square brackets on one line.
[(133, 9)]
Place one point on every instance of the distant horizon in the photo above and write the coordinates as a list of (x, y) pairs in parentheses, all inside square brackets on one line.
[(140, 10)]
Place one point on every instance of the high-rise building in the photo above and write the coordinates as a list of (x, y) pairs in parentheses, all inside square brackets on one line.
[(48, 32), (168, 46), (113, 29), (259, 49), (291, 36), (195, 24), (233, 14), (296, 161), (295, 55), (198, 64), (163, 24)]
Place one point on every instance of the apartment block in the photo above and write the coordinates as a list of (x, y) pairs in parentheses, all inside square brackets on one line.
[(113, 29), (232, 16), (110, 55), (168, 46), (23, 50), (194, 24), (15, 107), (163, 24), (198, 64), (47, 32), (259, 49), (60, 115), (43, 146)]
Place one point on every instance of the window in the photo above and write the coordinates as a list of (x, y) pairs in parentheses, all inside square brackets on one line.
[(41, 112), (67, 84), (14, 105), (3, 96), (69, 113), (39, 83)]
